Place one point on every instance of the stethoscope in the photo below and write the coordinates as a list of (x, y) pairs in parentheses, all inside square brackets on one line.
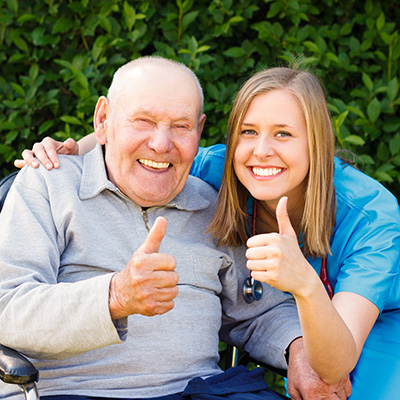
[(253, 290)]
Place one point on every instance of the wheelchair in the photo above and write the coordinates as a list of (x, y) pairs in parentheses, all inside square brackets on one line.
[(17, 369)]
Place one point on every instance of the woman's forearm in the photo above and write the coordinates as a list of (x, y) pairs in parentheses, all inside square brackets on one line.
[(87, 143), (329, 344)]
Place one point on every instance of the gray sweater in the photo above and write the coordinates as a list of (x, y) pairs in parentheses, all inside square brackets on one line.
[(65, 233)]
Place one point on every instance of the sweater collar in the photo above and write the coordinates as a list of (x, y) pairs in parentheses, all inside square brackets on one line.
[(94, 181)]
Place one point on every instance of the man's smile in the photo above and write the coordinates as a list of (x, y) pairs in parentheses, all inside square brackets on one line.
[(154, 164)]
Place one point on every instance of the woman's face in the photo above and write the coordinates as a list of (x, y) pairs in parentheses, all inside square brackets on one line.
[(271, 158)]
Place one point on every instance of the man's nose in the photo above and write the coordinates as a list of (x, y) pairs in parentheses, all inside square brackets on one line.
[(160, 140)]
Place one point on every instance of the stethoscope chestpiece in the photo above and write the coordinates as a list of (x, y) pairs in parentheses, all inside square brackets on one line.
[(252, 290)]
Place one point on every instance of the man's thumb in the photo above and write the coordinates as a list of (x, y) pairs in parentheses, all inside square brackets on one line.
[(282, 216), (155, 236)]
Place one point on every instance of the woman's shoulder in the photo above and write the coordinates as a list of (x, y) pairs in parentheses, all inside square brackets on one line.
[(357, 191), (208, 164)]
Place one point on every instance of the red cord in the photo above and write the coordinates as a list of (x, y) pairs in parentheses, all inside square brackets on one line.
[(324, 278)]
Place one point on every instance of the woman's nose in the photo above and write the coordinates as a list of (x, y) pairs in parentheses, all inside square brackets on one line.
[(264, 147)]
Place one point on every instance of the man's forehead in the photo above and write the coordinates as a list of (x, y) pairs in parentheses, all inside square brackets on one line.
[(159, 112)]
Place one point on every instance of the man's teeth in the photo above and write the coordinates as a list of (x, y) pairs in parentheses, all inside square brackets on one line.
[(154, 164), (266, 171)]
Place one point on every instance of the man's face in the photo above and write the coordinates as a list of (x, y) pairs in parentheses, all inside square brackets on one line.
[(151, 133)]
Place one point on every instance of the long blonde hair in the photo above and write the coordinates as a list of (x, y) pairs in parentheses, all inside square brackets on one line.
[(231, 223)]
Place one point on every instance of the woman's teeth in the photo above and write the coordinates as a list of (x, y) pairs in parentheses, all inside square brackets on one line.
[(266, 171)]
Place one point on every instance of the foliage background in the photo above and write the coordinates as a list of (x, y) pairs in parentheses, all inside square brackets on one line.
[(58, 56)]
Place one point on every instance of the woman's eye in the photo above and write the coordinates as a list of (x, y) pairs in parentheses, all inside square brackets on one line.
[(284, 134), (248, 132)]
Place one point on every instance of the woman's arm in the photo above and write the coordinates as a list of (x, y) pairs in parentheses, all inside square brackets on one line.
[(334, 332), (46, 151)]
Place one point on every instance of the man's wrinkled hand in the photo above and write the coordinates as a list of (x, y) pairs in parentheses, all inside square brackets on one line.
[(148, 283), (305, 384)]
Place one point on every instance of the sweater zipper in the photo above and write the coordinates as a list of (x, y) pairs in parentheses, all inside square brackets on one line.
[(145, 217)]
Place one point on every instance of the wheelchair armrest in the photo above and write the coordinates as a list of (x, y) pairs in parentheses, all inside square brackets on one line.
[(246, 360), (5, 185), (15, 368)]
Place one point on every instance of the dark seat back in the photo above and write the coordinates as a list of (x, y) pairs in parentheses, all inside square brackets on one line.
[(5, 185)]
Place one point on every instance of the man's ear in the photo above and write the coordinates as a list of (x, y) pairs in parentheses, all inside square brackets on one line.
[(202, 120), (101, 113)]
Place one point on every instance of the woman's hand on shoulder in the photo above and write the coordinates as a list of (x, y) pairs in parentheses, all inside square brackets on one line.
[(46, 152)]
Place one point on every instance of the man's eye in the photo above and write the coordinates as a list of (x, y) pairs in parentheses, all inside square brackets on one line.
[(142, 122)]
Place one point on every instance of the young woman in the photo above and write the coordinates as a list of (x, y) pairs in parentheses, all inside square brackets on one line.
[(305, 213)]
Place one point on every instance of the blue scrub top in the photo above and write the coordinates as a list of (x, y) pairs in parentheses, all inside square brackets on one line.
[(365, 259)]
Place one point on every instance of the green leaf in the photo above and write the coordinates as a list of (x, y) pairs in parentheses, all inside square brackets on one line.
[(62, 25), (367, 82), (5, 148), (33, 71), (312, 46), (356, 111), (104, 23), (193, 45), (374, 110), (189, 18), (212, 90), (235, 52), (383, 152), (45, 126), (18, 89), (71, 120), (393, 89), (63, 63), (383, 177), (380, 22), (346, 29), (20, 43), (203, 48), (10, 137), (12, 5), (275, 9), (129, 15), (394, 144), (355, 140)]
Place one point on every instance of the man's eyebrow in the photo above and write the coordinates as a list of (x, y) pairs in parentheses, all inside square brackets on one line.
[(150, 113)]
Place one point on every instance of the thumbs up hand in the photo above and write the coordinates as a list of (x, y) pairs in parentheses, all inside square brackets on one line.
[(148, 283), (276, 258)]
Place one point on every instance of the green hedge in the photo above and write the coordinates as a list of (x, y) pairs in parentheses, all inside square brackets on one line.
[(58, 56)]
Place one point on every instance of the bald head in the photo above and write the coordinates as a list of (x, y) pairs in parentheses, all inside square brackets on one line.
[(153, 69)]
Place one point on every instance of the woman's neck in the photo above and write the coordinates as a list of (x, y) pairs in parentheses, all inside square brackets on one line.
[(266, 218)]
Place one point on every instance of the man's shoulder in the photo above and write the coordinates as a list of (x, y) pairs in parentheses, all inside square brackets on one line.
[(197, 185), (70, 171)]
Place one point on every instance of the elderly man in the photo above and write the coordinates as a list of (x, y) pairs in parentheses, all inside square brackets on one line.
[(100, 322)]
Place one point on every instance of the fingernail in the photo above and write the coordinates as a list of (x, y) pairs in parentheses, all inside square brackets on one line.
[(56, 165), (35, 164), (48, 166)]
